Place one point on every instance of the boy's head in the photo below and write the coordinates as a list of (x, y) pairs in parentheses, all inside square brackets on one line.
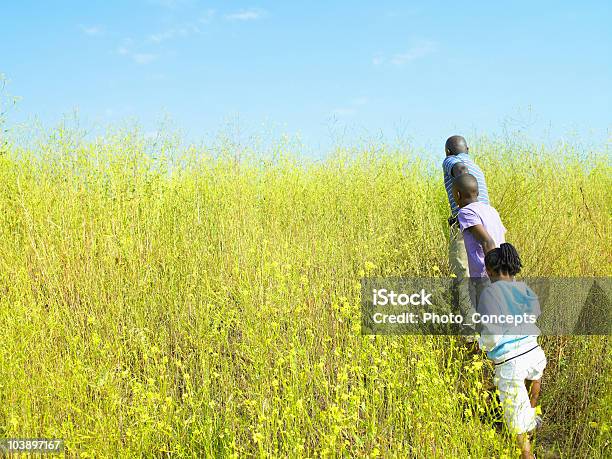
[(455, 144), (503, 261), (465, 189)]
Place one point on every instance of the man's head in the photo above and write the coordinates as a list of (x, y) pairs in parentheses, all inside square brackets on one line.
[(456, 144), (465, 189)]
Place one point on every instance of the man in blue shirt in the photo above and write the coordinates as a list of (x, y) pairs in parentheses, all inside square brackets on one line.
[(458, 162)]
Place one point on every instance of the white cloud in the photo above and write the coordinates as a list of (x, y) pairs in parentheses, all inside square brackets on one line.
[(418, 51), (162, 36), (182, 30), (207, 16), (143, 58), (131, 50), (246, 15), (158, 77), (92, 30), (350, 109), (142, 51), (359, 101), (172, 4), (176, 32), (378, 60), (343, 111)]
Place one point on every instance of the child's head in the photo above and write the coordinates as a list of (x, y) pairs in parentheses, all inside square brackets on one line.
[(465, 189), (503, 261)]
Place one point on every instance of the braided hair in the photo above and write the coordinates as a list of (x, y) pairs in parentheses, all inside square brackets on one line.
[(504, 259)]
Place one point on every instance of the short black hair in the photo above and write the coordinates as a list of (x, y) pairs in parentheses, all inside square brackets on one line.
[(504, 259), (456, 144), (466, 184)]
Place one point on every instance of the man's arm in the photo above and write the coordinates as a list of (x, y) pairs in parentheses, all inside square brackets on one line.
[(481, 235)]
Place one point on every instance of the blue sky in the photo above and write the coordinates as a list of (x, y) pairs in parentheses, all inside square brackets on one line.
[(320, 70)]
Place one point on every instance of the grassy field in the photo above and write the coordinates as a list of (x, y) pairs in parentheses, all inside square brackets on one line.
[(159, 303)]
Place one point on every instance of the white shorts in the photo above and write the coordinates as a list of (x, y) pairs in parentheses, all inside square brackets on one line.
[(510, 381)]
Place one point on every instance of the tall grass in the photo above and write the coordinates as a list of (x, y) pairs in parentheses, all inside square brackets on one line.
[(192, 305)]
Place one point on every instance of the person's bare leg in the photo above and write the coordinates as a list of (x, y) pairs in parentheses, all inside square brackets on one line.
[(525, 446), (533, 388)]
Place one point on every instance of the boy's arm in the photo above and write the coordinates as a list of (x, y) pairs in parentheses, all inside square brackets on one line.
[(482, 236)]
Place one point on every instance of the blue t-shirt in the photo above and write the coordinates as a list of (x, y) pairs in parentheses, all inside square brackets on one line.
[(447, 166)]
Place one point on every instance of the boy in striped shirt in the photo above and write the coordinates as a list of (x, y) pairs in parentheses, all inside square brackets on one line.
[(456, 163)]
